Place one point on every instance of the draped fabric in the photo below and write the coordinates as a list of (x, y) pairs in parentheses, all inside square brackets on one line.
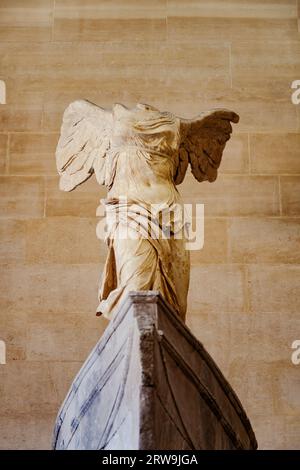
[(144, 252), (140, 155), (143, 255)]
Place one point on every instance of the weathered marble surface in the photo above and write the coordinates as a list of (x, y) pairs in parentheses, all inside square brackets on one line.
[(180, 56), (140, 155), (149, 384)]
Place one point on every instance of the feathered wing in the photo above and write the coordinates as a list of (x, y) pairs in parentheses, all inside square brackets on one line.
[(82, 146), (202, 143)]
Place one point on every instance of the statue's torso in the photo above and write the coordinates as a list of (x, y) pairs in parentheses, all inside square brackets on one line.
[(143, 146)]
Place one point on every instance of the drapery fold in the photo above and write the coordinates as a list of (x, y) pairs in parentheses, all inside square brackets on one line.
[(145, 253)]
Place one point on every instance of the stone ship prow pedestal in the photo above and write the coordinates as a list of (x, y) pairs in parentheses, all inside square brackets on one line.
[(150, 384)]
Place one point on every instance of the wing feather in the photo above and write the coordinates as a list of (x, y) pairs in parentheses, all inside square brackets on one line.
[(203, 140), (82, 146)]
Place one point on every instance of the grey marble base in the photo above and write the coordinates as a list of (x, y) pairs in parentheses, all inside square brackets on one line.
[(150, 384)]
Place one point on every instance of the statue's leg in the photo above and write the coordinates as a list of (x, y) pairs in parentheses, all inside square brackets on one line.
[(145, 264), (135, 263), (141, 263)]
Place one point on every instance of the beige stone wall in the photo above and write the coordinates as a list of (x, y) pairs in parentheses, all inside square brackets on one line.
[(183, 56)]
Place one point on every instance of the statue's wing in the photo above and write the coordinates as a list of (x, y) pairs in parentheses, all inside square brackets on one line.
[(82, 146), (202, 143)]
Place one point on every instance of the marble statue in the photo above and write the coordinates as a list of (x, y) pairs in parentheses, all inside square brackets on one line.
[(140, 155)]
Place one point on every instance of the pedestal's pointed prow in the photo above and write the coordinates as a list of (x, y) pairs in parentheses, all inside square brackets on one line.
[(149, 384)]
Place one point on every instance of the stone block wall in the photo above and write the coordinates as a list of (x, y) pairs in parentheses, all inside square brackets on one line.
[(182, 56)]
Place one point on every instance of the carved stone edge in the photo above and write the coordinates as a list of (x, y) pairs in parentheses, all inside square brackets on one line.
[(149, 333), (154, 297)]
